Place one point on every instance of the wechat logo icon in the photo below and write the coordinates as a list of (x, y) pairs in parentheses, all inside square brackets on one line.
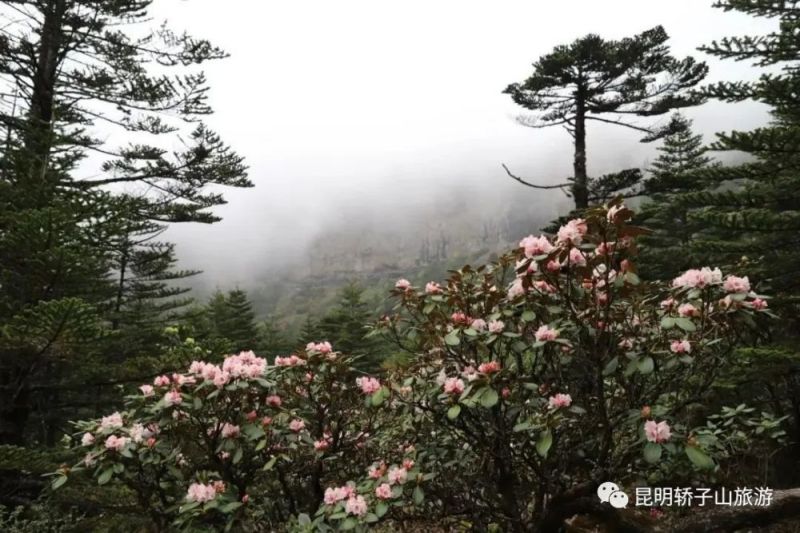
[(610, 493)]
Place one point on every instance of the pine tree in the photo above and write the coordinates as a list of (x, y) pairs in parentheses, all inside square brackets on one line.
[(681, 155), (345, 326), (272, 339), (230, 316), (751, 211), (593, 79)]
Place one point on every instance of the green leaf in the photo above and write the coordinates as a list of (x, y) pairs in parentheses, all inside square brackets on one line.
[(381, 508), (58, 481), (489, 398), (453, 412), (230, 506), (237, 455), (418, 495), (523, 426), (377, 397), (452, 338), (371, 518), (350, 523), (271, 463), (652, 452), (303, 519), (699, 458), (471, 332), (105, 476), (528, 316), (611, 367), (685, 324), (544, 443), (667, 322), (645, 365)]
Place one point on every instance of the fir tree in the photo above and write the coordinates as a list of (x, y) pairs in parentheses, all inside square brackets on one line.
[(664, 251), (231, 317), (593, 79), (272, 339)]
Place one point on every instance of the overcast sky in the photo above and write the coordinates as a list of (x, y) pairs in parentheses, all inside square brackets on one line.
[(346, 103)]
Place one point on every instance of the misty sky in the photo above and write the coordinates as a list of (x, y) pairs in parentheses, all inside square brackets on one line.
[(370, 104)]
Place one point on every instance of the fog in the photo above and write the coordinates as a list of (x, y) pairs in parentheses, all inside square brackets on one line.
[(368, 120)]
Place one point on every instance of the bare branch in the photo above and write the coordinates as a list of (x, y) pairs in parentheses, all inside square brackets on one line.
[(561, 186)]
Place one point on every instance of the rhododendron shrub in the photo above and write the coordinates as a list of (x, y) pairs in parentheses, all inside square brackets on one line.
[(248, 445), (556, 368)]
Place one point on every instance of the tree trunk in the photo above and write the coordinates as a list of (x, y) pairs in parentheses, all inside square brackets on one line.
[(580, 187)]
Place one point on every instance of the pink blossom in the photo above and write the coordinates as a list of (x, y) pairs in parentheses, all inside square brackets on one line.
[(337, 494), (245, 365), (322, 445), (368, 385), (291, 360), (469, 372), (626, 343), (668, 304), (199, 492), (505, 393), (171, 398), (516, 289), (682, 346), (559, 400), (147, 390), (604, 248), (544, 333), (376, 472), (478, 325), (737, 284), (433, 288), (489, 368), (496, 326), (758, 304), (87, 439), (161, 381), (116, 443), (383, 491), (181, 380), (397, 475), (137, 433), (324, 348), (267, 420), (111, 421), (534, 246), (695, 278), (576, 258), (251, 416), (356, 505), (688, 310), (89, 460), (221, 379), (408, 464), (657, 432), (219, 486), (229, 431), (572, 232), (453, 386), (543, 286), (402, 284), (297, 425), (274, 400), (460, 318)]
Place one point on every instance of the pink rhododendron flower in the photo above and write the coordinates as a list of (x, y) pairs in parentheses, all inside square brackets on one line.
[(87, 439), (408, 464), (505, 393), (267, 420), (736, 284), (516, 289), (397, 475), (496, 326), (695, 278), (89, 460), (453, 386), (171, 398), (356, 505), (478, 325), (199, 492), (460, 318), (229, 431), (543, 286), (137, 433), (376, 472), (161, 381), (116, 443), (274, 400), (489, 368), (324, 348), (245, 365), (383, 491), (683, 346), (667, 304), (322, 445), (402, 284), (147, 390), (626, 343), (553, 266), (657, 431), (368, 385), (576, 258), (297, 425), (559, 400), (433, 288), (688, 310), (758, 304), (469, 372), (251, 416), (604, 248), (291, 360), (572, 232), (545, 333), (337, 494), (221, 379), (111, 421), (533, 246)]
